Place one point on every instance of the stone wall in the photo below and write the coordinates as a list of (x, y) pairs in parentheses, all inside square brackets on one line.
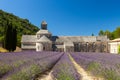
[(91, 47)]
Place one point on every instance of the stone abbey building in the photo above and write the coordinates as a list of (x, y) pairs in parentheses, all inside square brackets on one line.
[(45, 41)]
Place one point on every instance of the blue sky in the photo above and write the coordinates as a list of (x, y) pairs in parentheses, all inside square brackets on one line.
[(68, 17)]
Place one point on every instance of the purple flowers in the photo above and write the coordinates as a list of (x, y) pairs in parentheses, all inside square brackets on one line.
[(26, 65), (30, 65), (100, 64), (65, 70)]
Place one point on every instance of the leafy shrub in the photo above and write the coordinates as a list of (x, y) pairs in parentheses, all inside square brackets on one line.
[(119, 49)]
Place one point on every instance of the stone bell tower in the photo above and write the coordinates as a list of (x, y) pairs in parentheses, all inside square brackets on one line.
[(44, 25), (43, 42)]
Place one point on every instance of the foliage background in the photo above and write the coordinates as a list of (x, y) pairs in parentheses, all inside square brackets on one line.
[(23, 26), (110, 34)]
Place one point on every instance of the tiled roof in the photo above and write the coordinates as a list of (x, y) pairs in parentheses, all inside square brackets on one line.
[(33, 38), (102, 38), (79, 38), (43, 32), (29, 38), (76, 39), (43, 39), (115, 40), (44, 22)]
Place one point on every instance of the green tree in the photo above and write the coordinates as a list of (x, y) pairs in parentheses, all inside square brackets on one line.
[(23, 26), (108, 34), (6, 37), (119, 49), (10, 37), (14, 39), (101, 33), (117, 32), (92, 34)]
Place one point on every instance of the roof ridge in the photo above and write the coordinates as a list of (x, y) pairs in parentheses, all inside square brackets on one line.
[(44, 39)]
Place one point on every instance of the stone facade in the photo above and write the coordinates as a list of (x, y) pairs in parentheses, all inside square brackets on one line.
[(44, 41), (114, 46)]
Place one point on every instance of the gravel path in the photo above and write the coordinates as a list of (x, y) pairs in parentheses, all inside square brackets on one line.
[(85, 76), (82, 72)]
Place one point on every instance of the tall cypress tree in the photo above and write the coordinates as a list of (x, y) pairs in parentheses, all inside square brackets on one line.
[(14, 39), (10, 37), (6, 37)]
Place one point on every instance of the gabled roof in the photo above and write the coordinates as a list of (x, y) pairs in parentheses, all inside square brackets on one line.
[(29, 38), (79, 38), (43, 39), (75, 39), (43, 32)]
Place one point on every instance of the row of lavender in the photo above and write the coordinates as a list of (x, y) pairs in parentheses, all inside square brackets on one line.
[(65, 70), (26, 65), (100, 64), (30, 65)]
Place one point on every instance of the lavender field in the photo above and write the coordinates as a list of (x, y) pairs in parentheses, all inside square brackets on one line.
[(100, 64), (26, 65), (30, 65)]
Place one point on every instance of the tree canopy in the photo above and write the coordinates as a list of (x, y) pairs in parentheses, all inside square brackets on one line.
[(10, 37), (23, 26), (111, 35)]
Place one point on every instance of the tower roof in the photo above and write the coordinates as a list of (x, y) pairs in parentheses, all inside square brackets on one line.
[(28, 38), (44, 25), (43, 39), (43, 32)]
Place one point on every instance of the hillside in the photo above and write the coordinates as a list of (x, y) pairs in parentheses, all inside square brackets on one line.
[(23, 26)]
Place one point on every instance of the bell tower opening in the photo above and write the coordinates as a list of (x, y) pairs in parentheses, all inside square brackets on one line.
[(44, 25)]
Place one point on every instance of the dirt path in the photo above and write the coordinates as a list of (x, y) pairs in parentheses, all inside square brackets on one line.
[(83, 73), (47, 76)]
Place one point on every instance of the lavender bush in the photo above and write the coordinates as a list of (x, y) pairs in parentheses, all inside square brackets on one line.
[(100, 64), (26, 65), (64, 69)]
